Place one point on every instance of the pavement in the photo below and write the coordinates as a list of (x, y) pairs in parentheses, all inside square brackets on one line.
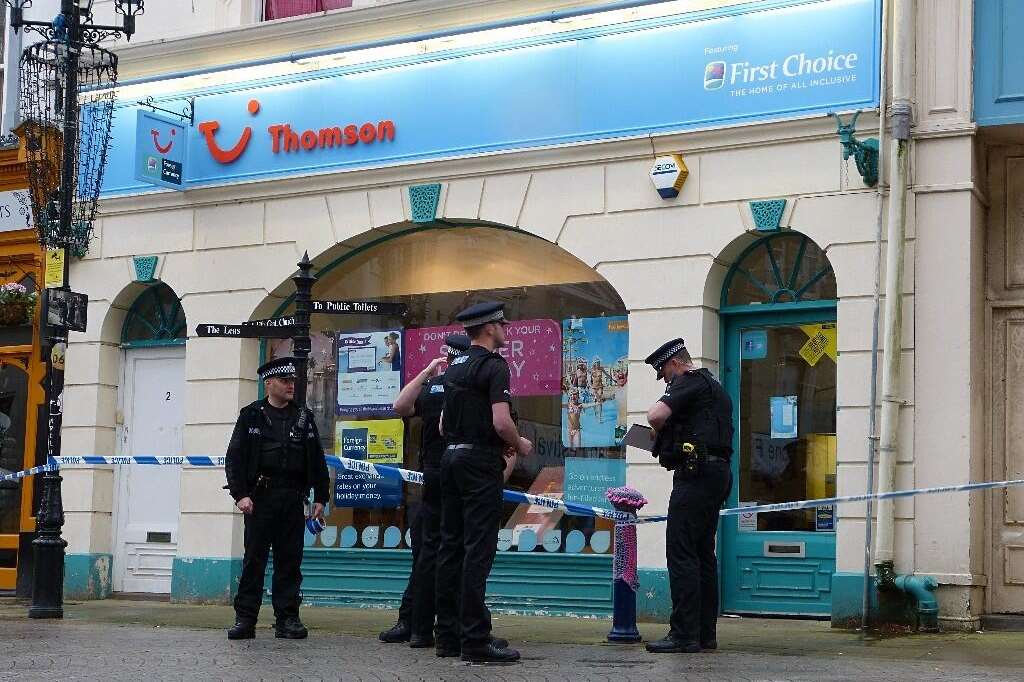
[(145, 640)]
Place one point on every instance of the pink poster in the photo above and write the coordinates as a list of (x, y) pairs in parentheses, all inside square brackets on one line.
[(533, 352)]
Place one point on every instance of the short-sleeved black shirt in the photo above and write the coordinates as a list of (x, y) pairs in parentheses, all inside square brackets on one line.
[(473, 383), (686, 392), (700, 404), (429, 404)]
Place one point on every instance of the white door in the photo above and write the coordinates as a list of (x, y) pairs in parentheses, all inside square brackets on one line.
[(147, 503)]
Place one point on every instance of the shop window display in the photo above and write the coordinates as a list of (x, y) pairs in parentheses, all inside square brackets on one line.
[(567, 354)]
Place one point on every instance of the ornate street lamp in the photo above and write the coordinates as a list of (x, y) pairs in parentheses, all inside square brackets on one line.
[(67, 100)]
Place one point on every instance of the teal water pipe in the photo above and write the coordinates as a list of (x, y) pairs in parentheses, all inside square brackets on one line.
[(922, 588)]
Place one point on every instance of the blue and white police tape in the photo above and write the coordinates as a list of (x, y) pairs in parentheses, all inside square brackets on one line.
[(846, 499)]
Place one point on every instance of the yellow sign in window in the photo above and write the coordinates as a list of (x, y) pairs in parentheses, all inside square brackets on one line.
[(821, 341)]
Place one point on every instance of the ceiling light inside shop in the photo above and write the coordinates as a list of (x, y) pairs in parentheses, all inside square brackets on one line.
[(497, 36)]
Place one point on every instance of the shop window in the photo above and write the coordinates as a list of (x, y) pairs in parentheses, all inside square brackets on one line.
[(155, 319), (784, 268), (282, 9), (13, 396), (567, 353)]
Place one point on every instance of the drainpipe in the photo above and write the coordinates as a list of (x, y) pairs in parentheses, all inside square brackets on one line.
[(919, 587)]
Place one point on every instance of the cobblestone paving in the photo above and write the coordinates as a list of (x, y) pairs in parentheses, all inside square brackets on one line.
[(49, 650)]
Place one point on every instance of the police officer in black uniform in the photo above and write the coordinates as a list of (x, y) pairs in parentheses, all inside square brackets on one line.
[(424, 397), (694, 426), (477, 424), (273, 460)]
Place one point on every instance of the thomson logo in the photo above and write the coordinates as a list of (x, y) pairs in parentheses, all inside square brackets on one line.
[(714, 75)]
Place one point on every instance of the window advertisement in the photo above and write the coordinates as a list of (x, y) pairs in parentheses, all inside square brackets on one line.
[(378, 442), (595, 361), (369, 372), (531, 352), (543, 289)]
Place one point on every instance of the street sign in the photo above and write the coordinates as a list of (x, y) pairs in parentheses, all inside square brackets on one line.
[(275, 328), (358, 308)]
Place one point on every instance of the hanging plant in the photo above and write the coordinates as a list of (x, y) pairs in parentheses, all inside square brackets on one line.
[(17, 304)]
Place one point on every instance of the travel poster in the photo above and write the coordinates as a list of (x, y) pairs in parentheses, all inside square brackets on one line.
[(532, 351), (378, 442), (594, 371), (369, 372)]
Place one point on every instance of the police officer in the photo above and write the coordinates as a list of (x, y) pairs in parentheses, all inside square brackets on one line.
[(477, 424), (273, 460), (424, 397), (694, 426)]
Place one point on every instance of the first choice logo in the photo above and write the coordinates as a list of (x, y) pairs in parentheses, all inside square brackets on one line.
[(718, 73)]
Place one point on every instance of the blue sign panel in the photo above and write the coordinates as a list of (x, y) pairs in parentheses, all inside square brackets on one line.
[(159, 150), (587, 479), (998, 60), (698, 70), (353, 489)]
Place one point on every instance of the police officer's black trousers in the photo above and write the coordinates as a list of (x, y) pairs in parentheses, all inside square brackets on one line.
[(424, 572), (414, 586), (277, 521), (471, 483), (690, 550)]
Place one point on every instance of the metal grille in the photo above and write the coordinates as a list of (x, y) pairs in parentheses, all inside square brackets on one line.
[(43, 105)]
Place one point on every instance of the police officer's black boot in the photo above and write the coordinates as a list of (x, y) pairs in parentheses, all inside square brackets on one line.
[(489, 653), (671, 645), (399, 632), (290, 628), (242, 629)]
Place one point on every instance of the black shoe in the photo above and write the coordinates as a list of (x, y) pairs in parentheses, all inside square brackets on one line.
[(242, 630), (489, 653), (499, 642), (709, 644), (670, 645), (421, 641), (290, 628), (399, 632), (448, 650)]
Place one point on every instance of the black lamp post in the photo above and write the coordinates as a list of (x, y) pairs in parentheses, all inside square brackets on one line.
[(65, 38)]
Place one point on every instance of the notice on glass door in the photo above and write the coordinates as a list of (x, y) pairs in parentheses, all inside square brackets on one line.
[(784, 416)]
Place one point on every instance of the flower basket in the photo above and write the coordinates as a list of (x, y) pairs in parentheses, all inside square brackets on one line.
[(17, 305)]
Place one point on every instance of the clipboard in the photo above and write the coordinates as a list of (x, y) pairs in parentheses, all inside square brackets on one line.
[(640, 437)]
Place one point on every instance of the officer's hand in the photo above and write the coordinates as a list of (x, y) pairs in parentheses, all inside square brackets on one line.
[(436, 362), (245, 505), (525, 447), (318, 511)]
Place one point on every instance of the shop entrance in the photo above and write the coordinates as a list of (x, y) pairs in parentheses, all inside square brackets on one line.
[(147, 498), (779, 366)]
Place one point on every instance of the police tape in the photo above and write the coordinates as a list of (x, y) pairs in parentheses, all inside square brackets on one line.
[(515, 496)]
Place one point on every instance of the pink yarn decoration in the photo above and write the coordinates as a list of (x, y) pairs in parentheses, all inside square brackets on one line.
[(624, 563)]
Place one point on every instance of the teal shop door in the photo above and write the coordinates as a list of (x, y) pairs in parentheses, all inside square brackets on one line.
[(779, 366)]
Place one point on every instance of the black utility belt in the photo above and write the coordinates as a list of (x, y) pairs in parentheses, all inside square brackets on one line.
[(278, 483)]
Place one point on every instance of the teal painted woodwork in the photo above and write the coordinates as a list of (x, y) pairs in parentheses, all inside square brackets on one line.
[(653, 598), (155, 318), (782, 268), (87, 576), (205, 580), (536, 583), (767, 214), (423, 200), (145, 268), (998, 55)]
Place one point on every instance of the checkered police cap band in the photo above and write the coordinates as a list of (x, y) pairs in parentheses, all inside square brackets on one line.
[(667, 355), (496, 316), (272, 372)]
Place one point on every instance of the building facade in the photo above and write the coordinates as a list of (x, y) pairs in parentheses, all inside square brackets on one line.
[(436, 153)]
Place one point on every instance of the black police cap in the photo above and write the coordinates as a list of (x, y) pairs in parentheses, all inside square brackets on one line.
[(278, 367), (665, 351), (481, 313), (457, 344)]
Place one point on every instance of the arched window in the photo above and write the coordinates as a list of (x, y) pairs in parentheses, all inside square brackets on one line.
[(155, 319), (783, 268)]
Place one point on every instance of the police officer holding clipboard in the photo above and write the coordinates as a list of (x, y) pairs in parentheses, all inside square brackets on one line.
[(478, 426), (694, 425)]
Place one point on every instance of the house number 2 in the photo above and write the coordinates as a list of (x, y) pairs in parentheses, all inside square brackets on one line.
[(168, 396)]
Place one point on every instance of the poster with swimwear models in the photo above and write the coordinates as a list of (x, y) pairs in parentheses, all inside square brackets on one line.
[(594, 371)]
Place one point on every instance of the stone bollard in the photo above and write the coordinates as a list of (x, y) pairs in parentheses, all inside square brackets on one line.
[(625, 581)]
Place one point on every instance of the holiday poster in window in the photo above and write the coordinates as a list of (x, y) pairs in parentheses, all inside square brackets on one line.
[(369, 372), (595, 364)]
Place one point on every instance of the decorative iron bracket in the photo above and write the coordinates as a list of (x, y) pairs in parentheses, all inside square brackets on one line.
[(864, 152), (187, 113)]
